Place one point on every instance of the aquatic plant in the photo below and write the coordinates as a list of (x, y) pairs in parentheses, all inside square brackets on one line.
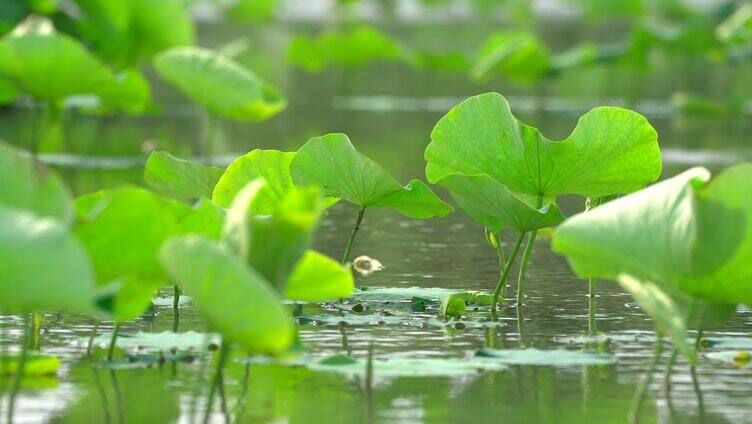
[(221, 86), (238, 283), (179, 178), (681, 248), (332, 162), (504, 173)]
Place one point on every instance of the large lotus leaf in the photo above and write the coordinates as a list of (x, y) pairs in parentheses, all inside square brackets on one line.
[(180, 178), (674, 312), (204, 218), (29, 185), (130, 93), (271, 165), (611, 150), (684, 233), (222, 86), (123, 230), (127, 297), (126, 32), (317, 278), (521, 57), (495, 207), (38, 57), (333, 163), (405, 367), (358, 47), (43, 267), (165, 341), (553, 358), (233, 298)]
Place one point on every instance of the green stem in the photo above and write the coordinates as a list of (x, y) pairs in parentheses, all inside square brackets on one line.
[(505, 272), (351, 239), (113, 341), (500, 255), (224, 352), (592, 306), (522, 276), (91, 338), (369, 384), (669, 370), (175, 308), (20, 369), (639, 396), (34, 340)]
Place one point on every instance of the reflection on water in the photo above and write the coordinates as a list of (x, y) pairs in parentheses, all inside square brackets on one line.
[(451, 252)]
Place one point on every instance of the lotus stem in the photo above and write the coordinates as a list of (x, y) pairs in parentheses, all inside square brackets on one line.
[(505, 272), (113, 341), (639, 395), (20, 369), (224, 352), (369, 383), (34, 341), (91, 338), (500, 254), (351, 239), (669, 370), (592, 306), (522, 276), (175, 308)]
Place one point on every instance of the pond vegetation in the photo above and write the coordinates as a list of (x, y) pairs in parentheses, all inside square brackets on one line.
[(238, 247)]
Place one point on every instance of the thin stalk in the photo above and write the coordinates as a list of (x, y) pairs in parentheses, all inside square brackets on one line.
[(240, 408), (20, 369), (91, 338), (113, 341), (224, 352), (669, 370), (522, 276), (592, 306), (505, 272), (695, 381), (500, 255), (175, 308), (34, 340), (351, 239), (369, 384), (642, 388)]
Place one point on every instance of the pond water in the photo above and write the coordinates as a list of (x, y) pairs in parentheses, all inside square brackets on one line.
[(441, 253)]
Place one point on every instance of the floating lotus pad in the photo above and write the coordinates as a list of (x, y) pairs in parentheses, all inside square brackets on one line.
[(406, 367), (554, 358), (36, 365), (165, 341)]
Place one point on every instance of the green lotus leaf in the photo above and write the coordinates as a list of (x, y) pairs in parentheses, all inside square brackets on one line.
[(271, 165), (37, 56), (44, 268), (495, 207), (611, 150), (521, 57), (219, 84), (165, 341), (675, 312), (685, 233), (737, 28), (130, 93), (127, 32), (318, 278), (28, 185), (35, 365), (123, 230), (684, 241), (180, 178), (235, 300), (333, 163), (358, 47), (128, 297), (205, 218)]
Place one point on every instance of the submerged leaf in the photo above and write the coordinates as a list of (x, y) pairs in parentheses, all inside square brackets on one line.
[(234, 299), (333, 163), (44, 268), (406, 367), (554, 358), (28, 185), (180, 178), (219, 84)]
